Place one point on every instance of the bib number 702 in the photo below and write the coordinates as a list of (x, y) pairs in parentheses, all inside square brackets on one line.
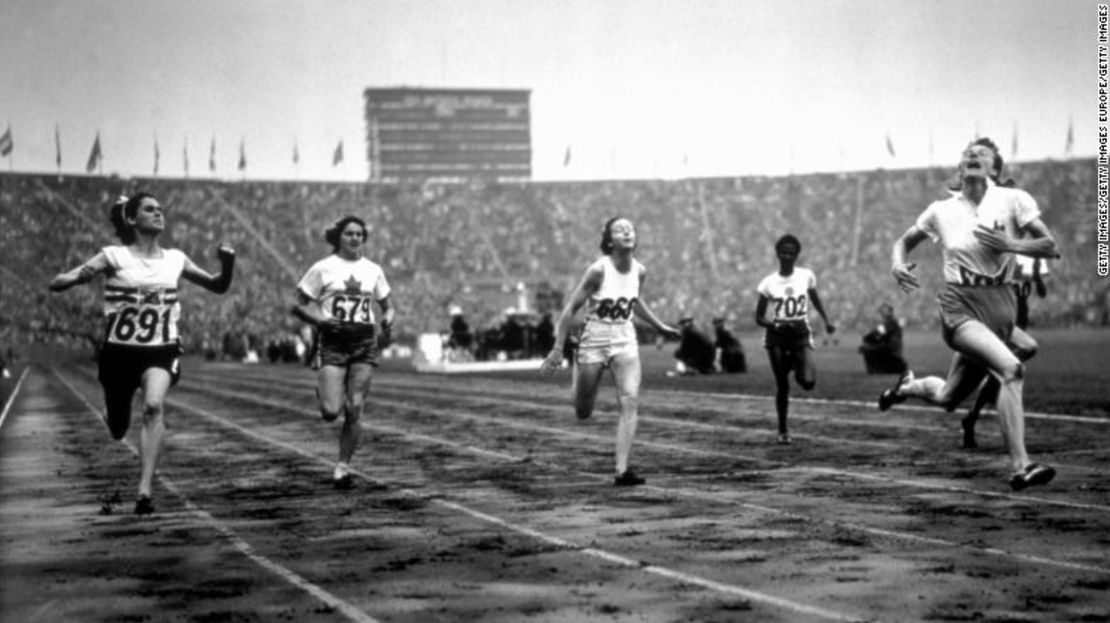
[(790, 306)]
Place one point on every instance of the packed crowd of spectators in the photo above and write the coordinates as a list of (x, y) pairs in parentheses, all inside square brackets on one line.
[(706, 243)]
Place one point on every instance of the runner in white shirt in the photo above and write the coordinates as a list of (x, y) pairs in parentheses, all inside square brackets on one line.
[(1028, 273), (788, 293), (337, 296), (141, 343), (611, 290), (978, 230)]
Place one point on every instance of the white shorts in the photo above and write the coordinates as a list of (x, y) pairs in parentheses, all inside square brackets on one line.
[(600, 342)]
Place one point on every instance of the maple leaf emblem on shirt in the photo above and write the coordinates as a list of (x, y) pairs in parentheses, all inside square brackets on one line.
[(353, 286)]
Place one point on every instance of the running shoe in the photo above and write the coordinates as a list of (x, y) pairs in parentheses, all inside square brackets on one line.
[(144, 505), (1033, 474), (891, 397), (629, 479), (784, 439), (343, 483)]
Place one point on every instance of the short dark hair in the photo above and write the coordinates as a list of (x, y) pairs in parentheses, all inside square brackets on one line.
[(785, 240), (606, 245), (126, 208), (333, 233)]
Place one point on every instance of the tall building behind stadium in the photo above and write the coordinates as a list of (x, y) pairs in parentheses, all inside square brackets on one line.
[(448, 135)]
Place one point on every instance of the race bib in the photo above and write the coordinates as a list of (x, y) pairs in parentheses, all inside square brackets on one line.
[(791, 307), (141, 325), (619, 309), (352, 308)]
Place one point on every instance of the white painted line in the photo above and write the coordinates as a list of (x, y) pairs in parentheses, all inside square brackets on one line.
[(11, 398), (665, 572), (695, 494), (870, 405), (457, 414), (541, 536), (351, 612)]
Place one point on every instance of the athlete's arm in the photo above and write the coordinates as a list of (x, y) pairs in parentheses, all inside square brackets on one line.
[(641, 309), (304, 310), (902, 271), (213, 283), (761, 312), (1037, 243), (84, 273), (590, 283), (386, 305), (820, 310)]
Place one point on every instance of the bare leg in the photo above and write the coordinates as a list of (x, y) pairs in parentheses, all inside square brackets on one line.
[(156, 382), (330, 382), (780, 368), (978, 341), (587, 379), (626, 374), (1024, 346), (358, 382), (964, 376)]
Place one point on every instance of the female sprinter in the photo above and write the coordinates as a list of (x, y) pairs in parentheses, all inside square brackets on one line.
[(141, 343), (611, 289)]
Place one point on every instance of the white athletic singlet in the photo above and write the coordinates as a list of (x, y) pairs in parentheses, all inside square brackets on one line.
[(345, 289), (789, 296), (952, 222), (140, 297), (612, 303)]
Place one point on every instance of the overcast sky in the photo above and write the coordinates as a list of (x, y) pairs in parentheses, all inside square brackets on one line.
[(635, 89)]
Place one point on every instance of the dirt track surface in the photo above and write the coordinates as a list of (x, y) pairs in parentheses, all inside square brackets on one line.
[(484, 499)]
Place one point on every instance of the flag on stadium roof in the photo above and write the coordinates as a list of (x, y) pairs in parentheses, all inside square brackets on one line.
[(337, 157), (212, 155), (1069, 141), (6, 142), (94, 155), (57, 147), (890, 146), (157, 155), (185, 156), (566, 156), (1014, 143), (242, 155), (296, 154)]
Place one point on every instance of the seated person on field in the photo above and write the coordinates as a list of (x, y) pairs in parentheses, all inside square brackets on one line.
[(460, 341), (730, 351), (696, 353), (882, 346)]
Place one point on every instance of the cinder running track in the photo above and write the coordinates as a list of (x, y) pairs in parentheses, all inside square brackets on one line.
[(483, 499)]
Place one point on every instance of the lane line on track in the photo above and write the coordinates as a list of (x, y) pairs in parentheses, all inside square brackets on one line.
[(11, 398), (870, 405), (694, 494), (823, 471), (510, 398), (605, 555), (346, 609)]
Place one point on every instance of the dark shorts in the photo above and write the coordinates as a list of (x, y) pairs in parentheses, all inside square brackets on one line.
[(788, 336), (348, 344), (124, 366), (120, 372), (994, 306)]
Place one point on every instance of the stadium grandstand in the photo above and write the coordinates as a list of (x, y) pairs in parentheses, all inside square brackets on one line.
[(706, 240)]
